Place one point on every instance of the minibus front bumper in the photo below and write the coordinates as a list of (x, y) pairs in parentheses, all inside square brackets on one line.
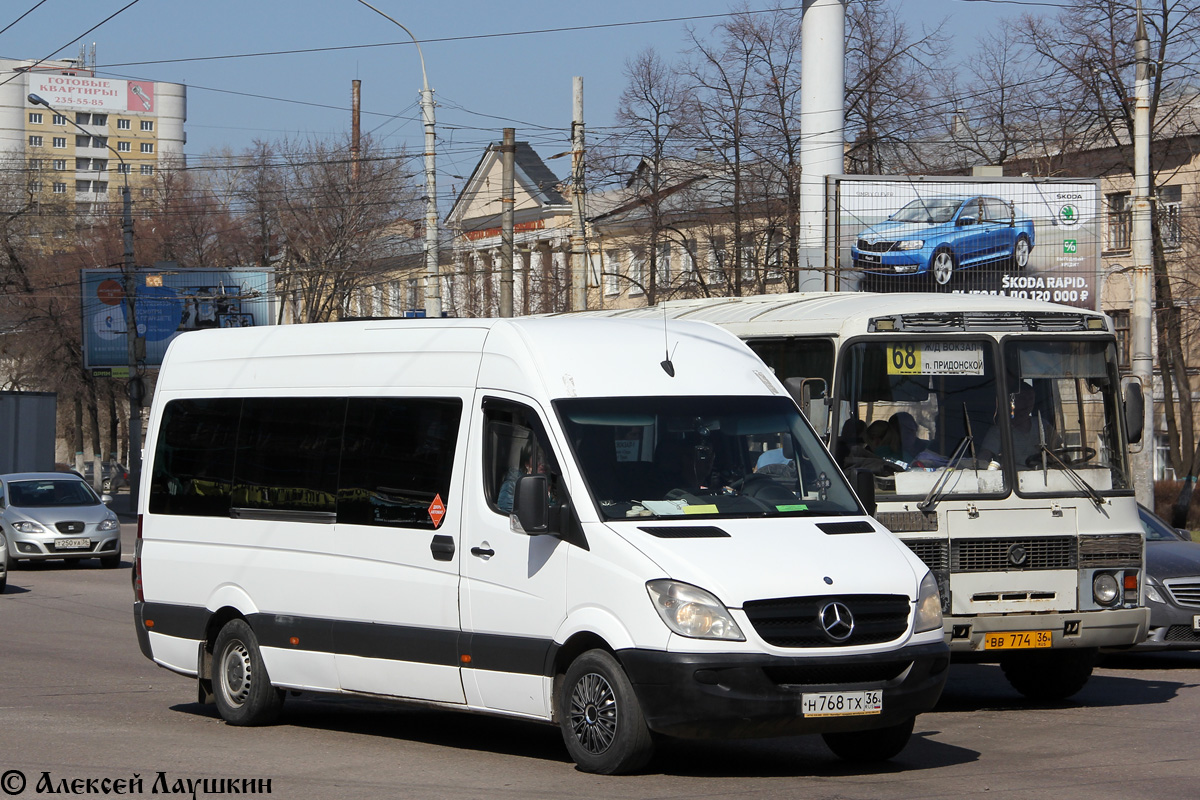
[(699, 695)]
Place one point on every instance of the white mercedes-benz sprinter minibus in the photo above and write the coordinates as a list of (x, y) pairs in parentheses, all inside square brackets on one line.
[(623, 527)]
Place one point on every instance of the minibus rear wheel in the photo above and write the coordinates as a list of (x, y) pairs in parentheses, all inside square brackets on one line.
[(242, 688), (877, 744), (601, 718)]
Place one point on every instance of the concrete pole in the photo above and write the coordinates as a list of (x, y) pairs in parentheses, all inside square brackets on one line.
[(1141, 314), (355, 127), (433, 291), (822, 114), (579, 256), (508, 155)]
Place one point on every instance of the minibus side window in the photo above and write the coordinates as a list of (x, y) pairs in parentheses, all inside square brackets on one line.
[(515, 445), (193, 459), (288, 451), (397, 459)]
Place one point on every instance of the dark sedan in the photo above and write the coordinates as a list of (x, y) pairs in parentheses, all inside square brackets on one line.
[(1172, 586)]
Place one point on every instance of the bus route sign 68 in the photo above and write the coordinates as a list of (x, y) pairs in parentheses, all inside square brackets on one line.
[(935, 358)]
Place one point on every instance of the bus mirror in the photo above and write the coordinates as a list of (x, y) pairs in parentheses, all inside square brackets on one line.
[(531, 504), (864, 487), (1135, 409)]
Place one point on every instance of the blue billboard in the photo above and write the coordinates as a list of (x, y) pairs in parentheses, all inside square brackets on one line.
[(167, 303)]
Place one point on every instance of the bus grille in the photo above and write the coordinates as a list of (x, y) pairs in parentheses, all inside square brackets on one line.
[(1002, 555), (934, 552), (1122, 550)]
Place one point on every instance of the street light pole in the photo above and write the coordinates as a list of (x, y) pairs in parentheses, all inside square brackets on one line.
[(433, 292), (129, 279)]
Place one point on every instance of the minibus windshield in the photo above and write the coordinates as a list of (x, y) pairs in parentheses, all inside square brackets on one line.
[(702, 457)]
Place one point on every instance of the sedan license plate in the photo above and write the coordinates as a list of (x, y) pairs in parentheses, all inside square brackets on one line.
[(1017, 640), (1196, 622), (72, 544), (870, 257), (841, 704)]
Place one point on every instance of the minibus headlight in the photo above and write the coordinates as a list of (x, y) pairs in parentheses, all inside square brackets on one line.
[(693, 612), (928, 616), (1105, 588)]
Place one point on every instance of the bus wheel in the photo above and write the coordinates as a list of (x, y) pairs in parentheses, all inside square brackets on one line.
[(878, 744), (600, 717), (243, 690), (1049, 677)]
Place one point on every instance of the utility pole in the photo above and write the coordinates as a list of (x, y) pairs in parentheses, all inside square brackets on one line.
[(355, 129), (1141, 314), (579, 255), (508, 155), (433, 292)]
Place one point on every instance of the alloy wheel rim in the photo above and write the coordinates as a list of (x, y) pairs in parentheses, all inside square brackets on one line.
[(593, 713), (1022, 253), (943, 266)]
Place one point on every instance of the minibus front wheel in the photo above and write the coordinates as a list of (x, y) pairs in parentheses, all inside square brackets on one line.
[(241, 686), (600, 716)]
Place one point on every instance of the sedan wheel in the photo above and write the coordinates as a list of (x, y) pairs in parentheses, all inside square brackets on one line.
[(942, 267), (1021, 251)]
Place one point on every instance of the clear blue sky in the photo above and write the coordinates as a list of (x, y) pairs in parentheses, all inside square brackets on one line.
[(482, 82)]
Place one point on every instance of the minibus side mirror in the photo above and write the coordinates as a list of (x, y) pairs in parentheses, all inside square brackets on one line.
[(811, 395), (1135, 409), (864, 486), (531, 504)]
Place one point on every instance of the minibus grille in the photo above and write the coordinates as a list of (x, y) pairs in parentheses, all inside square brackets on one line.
[(796, 621), (1184, 591), (1122, 550), (836, 674), (1017, 553)]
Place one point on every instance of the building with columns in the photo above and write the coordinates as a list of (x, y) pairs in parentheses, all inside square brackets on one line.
[(542, 228)]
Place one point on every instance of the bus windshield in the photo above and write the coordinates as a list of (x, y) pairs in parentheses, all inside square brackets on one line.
[(912, 411), (702, 457)]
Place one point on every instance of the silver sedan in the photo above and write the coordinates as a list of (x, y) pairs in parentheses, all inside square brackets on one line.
[(50, 515)]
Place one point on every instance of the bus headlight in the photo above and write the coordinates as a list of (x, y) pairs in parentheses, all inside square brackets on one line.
[(928, 616), (1105, 589), (693, 612)]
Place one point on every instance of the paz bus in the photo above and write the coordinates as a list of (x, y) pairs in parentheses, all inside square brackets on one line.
[(993, 434)]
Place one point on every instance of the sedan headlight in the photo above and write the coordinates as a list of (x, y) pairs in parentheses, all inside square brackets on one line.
[(1152, 593), (910, 244), (109, 525), (928, 616), (25, 526), (693, 612)]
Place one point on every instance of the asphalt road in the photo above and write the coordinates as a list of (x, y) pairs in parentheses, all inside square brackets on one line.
[(78, 701)]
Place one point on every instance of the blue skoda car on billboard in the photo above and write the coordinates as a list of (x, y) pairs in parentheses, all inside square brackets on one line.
[(936, 237)]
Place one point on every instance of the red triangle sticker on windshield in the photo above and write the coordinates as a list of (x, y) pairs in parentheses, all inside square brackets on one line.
[(437, 510)]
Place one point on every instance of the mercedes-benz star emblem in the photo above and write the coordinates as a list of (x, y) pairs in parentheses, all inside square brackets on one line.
[(1017, 555), (837, 621)]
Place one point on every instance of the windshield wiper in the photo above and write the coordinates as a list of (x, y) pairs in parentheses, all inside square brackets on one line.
[(938, 490), (1075, 478)]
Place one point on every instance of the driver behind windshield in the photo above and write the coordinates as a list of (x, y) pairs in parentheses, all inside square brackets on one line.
[(1030, 431)]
